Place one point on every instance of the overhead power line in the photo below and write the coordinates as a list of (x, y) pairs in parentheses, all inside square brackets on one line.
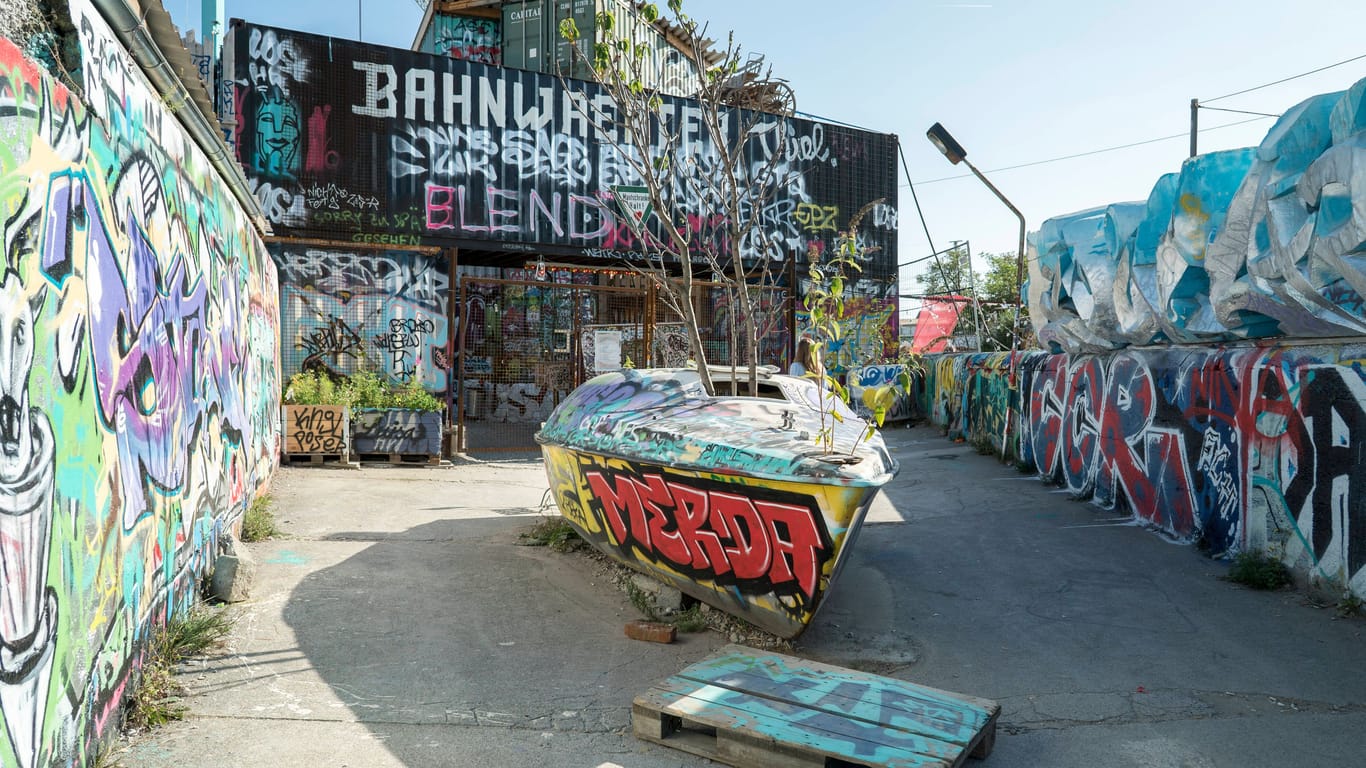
[(1236, 111), (1094, 151), (1283, 80)]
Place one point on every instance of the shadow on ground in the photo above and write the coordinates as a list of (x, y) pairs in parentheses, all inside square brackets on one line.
[(449, 639)]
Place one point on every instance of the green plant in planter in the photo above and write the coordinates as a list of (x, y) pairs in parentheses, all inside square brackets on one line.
[(365, 389), (314, 388), (413, 397), (361, 390)]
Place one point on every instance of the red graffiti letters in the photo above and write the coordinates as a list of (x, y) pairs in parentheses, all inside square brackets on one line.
[(761, 541)]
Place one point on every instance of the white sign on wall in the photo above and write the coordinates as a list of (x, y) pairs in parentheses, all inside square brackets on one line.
[(606, 351)]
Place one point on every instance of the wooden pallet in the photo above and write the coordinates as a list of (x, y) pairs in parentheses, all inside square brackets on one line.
[(318, 459), (753, 709), (400, 458)]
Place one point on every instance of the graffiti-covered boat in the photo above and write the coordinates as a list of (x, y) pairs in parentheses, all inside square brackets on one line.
[(729, 499)]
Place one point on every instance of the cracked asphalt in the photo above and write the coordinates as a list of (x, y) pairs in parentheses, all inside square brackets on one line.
[(399, 624)]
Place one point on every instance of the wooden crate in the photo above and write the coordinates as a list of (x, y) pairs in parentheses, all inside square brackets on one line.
[(316, 429), (753, 709)]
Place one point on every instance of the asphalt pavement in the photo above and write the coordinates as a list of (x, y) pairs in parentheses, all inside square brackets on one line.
[(398, 624)]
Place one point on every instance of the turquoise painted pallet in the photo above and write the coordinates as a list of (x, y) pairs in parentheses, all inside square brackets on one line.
[(752, 709)]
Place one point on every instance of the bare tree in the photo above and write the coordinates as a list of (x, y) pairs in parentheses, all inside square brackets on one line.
[(707, 166)]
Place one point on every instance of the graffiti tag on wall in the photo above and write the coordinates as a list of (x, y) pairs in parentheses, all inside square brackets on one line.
[(456, 150), (344, 311), (136, 291), (1244, 448), (315, 429)]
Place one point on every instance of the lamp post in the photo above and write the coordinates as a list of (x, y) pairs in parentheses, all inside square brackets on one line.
[(954, 151)]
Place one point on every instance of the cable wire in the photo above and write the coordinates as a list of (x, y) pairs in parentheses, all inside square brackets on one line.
[(1095, 151), (1238, 111), (1283, 80)]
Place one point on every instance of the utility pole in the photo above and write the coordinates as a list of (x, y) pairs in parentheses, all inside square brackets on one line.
[(972, 286), (1195, 123)]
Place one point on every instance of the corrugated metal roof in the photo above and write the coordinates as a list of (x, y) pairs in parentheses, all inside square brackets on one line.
[(167, 38)]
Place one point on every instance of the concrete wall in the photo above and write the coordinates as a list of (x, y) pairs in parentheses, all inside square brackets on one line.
[(1237, 448), (139, 387)]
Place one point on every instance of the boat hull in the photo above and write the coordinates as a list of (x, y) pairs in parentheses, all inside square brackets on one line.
[(762, 549)]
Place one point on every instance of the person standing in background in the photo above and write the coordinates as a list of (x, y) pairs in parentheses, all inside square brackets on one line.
[(808, 359)]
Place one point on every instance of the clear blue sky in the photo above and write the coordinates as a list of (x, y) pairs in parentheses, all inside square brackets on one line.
[(1015, 81)]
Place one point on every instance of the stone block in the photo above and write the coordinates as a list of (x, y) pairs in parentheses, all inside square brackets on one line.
[(234, 574)]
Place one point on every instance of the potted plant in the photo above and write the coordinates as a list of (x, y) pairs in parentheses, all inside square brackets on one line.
[(315, 416), (393, 420)]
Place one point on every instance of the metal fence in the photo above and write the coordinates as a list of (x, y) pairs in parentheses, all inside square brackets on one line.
[(523, 345)]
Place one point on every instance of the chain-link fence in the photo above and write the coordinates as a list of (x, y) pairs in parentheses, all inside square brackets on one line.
[(524, 345)]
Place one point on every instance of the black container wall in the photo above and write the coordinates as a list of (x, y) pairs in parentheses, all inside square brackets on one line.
[(382, 146)]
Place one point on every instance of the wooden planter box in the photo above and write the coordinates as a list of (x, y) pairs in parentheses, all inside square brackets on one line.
[(397, 433), (316, 430)]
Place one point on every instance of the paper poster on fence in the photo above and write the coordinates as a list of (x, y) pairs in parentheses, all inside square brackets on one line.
[(606, 351)]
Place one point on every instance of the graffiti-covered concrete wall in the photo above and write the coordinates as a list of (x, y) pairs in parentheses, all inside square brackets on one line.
[(139, 382), (1247, 243), (1237, 448)]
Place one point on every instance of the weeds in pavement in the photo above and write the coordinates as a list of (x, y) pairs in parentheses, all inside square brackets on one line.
[(105, 758), (259, 522), (690, 620), (554, 532), (1257, 571), (1350, 606), (154, 700), (641, 600)]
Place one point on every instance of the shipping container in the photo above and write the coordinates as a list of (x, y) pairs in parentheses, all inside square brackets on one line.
[(524, 35), (584, 13), (531, 40)]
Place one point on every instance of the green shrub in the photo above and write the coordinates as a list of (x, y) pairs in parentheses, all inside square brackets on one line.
[(314, 388), (1256, 570), (690, 620), (365, 389), (413, 397), (554, 532), (362, 389), (154, 700), (259, 522)]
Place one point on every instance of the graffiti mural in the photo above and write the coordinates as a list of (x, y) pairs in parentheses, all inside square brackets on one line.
[(728, 499), (771, 545), (770, 324), (468, 37), (452, 150), (893, 375), (138, 313), (969, 395), (397, 432), (1239, 448), (316, 429), (387, 311), (868, 333), (1240, 244)]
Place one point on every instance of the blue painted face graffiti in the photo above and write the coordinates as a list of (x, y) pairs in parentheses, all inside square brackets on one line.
[(277, 127)]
